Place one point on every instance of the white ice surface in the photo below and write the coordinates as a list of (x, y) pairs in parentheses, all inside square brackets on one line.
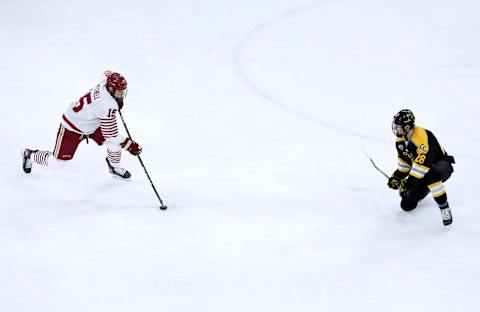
[(252, 116)]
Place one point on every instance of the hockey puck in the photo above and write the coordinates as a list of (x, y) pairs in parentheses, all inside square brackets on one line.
[(163, 207)]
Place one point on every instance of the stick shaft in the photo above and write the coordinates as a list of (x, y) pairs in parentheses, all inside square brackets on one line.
[(140, 159), (375, 165), (380, 170)]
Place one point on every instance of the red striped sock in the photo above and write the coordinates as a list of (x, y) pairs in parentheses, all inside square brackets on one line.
[(41, 157), (114, 157)]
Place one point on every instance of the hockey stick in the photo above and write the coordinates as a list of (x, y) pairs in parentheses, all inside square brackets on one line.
[(401, 187), (374, 165), (162, 206)]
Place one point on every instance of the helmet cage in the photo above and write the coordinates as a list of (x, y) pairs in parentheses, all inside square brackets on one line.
[(398, 130), (117, 86), (119, 94), (403, 122)]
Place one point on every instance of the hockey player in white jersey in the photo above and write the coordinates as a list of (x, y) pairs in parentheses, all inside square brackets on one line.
[(93, 116)]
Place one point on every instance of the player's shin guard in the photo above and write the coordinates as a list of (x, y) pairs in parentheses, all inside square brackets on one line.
[(114, 157), (46, 158), (42, 157), (440, 196)]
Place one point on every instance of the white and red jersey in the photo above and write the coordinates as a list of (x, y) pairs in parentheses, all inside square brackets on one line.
[(97, 108)]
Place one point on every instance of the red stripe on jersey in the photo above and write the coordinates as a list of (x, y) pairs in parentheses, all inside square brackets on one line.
[(109, 130), (109, 127)]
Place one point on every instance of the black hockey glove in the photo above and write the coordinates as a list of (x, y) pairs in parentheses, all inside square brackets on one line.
[(402, 188), (396, 179), (394, 182)]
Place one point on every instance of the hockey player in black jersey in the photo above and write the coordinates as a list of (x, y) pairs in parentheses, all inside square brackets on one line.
[(423, 165)]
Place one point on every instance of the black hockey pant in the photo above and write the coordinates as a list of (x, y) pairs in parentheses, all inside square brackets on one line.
[(442, 170)]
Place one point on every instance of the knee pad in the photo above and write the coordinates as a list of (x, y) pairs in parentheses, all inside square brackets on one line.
[(408, 205), (56, 163), (113, 147)]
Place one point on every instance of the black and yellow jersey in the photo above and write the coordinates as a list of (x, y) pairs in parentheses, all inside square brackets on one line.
[(418, 155)]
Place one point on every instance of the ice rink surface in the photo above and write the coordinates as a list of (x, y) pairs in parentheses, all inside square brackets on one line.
[(252, 116)]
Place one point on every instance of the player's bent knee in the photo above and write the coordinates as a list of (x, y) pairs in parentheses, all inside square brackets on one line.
[(408, 205), (114, 147), (56, 162)]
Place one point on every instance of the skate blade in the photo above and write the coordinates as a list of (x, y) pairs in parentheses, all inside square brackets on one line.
[(117, 177)]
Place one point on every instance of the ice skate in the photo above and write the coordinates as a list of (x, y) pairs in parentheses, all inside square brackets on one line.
[(446, 216), (26, 162), (118, 171)]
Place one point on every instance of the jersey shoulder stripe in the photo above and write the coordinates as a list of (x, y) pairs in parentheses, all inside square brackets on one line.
[(420, 137)]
